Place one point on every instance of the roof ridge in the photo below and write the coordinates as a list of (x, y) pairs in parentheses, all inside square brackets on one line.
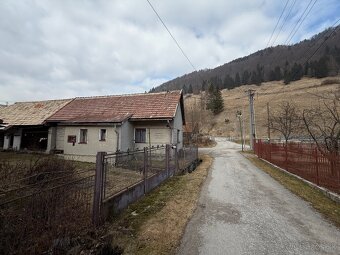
[(131, 94), (40, 101)]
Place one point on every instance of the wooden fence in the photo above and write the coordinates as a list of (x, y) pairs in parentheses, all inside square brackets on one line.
[(304, 160)]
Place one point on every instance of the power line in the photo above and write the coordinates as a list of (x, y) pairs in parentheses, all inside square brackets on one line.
[(277, 23), (329, 35), (185, 55), (284, 21), (291, 35), (279, 56)]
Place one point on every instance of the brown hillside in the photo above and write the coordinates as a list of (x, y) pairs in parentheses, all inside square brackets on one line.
[(302, 93)]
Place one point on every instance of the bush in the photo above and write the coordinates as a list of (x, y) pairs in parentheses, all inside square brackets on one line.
[(330, 81), (47, 203)]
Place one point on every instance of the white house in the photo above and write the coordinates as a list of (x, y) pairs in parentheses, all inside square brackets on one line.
[(87, 125)]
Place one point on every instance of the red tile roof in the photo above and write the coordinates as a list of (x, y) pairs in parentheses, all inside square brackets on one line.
[(118, 108)]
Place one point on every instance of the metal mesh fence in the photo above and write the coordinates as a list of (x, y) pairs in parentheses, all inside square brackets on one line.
[(121, 170), (34, 217)]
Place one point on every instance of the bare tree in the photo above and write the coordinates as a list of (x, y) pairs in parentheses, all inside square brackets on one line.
[(285, 120), (323, 122)]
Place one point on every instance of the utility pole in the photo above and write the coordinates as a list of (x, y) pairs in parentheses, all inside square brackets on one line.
[(239, 116), (268, 121), (252, 131)]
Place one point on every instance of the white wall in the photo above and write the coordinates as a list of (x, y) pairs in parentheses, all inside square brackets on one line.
[(87, 151), (155, 135), (51, 139), (60, 138), (127, 136)]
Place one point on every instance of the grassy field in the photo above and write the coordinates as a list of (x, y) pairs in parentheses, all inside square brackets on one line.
[(323, 204), (226, 123), (155, 224)]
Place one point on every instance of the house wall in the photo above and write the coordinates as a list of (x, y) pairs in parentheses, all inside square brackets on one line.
[(16, 139), (156, 134), (6, 142), (178, 128), (127, 136), (51, 139), (60, 136), (87, 151)]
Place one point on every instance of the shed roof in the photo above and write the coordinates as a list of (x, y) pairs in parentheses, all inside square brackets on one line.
[(30, 113), (118, 108)]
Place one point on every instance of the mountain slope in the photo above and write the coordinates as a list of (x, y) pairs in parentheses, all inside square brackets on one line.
[(260, 66)]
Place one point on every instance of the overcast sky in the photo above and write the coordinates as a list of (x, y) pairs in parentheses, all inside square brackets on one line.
[(62, 49)]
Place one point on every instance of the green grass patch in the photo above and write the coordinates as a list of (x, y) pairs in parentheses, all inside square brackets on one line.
[(329, 208), (137, 213)]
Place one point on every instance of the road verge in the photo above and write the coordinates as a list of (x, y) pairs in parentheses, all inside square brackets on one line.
[(317, 199)]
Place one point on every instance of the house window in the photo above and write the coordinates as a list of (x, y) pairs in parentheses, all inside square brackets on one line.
[(102, 135), (140, 135), (71, 139), (83, 136)]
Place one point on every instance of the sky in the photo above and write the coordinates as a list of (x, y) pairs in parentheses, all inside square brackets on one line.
[(62, 49)]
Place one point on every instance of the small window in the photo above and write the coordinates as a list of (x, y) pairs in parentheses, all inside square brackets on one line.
[(102, 135), (71, 139), (83, 136), (140, 135)]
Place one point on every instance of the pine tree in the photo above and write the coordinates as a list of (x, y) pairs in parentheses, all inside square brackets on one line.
[(190, 91), (237, 79), (215, 102)]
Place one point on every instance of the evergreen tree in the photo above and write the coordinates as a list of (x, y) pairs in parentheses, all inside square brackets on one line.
[(245, 77), (253, 78), (215, 102), (237, 79), (184, 88), (260, 74), (278, 74), (190, 89), (272, 76), (296, 72), (228, 82), (321, 68), (204, 85)]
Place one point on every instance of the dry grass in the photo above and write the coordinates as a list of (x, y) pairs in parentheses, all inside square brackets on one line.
[(323, 204), (155, 224), (226, 123)]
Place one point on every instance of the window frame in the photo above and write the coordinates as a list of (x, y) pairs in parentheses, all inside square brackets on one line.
[(137, 137), (80, 136), (101, 139), (71, 139)]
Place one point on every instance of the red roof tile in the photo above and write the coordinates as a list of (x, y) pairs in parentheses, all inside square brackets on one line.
[(118, 108)]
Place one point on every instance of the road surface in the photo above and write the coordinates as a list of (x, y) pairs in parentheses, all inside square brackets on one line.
[(242, 210)]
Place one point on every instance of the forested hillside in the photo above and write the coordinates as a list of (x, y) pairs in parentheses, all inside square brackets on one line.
[(317, 57)]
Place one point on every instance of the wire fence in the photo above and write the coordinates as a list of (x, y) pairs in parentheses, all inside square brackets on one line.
[(42, 210), (34, 218), (304, 160), (123, 177)]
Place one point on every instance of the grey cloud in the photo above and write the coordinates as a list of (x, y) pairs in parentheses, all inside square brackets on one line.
[(62, 49)]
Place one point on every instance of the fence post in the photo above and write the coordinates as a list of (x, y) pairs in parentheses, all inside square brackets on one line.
[(145, 172), (98, 188), (317, 166), (167, 159), (176, 160)]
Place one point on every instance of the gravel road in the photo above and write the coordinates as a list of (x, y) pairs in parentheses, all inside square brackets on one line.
[(242, 210)]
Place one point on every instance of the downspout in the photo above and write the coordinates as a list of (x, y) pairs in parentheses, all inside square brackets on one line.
[(117, 138)]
